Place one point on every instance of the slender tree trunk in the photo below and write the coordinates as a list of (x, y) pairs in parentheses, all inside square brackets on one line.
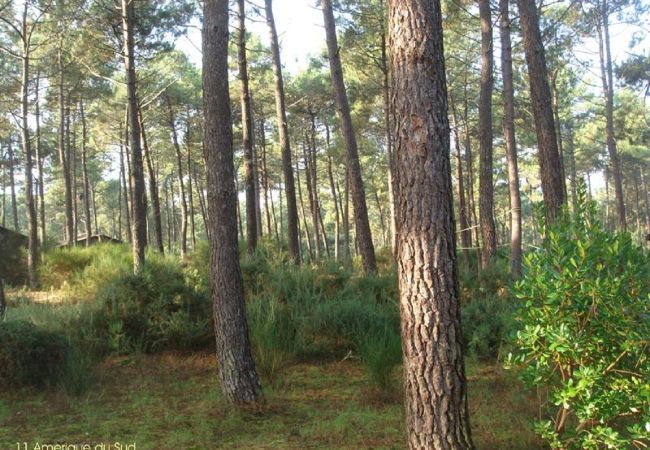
[(646, 200), (509, 135), (486, 186), (310, 252), (363, 233), (39, 163), (472, 220), (540, 94), (93, 197), (558, 131), (62, 151), (179, 171), (138, 194), (3, 218), (310, 193), (239, 218), (607, 227), (280, 103), (465, 232), (32, 223), (265, 177), (202, 205), (247, 134), (72, 157), (346, 216), (572, 166), (239, 381), (434, 376), (190, 192), (637, 202), (153, 188), (12, 186), (337, 212), (125, 191), (169, 218), (84, 172), (388, 137), (608, 90)]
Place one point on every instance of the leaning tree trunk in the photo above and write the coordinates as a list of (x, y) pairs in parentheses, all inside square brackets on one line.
[(550, 166), (509, 135), (363, 233), (486, 187), (239, 381), (138, 194), (434, 375), (280, 105), (247, 134)]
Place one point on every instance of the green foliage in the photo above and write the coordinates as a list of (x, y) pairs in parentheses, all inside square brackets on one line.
[(487, 322), (585, 332), (30, 356), (154, 310)]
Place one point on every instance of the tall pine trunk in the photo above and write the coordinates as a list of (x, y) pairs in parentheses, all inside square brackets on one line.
[(550, 166), (486, 187), (509, 135), (280, 104), (247, 134), (607, 79), (179, 172), (84, 173), (363, 233), (153, 188), (138, 195), (239, 381), (435, 394)]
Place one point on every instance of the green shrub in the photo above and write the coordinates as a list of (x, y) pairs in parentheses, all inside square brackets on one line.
[(487, 322), (157, 309), (585, 334), (30, 356)]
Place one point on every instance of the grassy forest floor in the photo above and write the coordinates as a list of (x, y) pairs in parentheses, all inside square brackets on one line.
[(173, 401)]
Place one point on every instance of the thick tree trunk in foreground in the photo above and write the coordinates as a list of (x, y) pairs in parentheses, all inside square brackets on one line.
[(550, 166), (247, 134), (435, 387), (486, 187), (138, 194), (509, 135), (364, 236), (239, 381), (280, 105)]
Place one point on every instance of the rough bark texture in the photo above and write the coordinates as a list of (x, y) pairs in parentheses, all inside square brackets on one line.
[(509, 135), (364, 236), (247, 134), (280, 104), (607, 79), (239, 381), (486, 187), (435, 386), (548, 155), (138, 193)]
